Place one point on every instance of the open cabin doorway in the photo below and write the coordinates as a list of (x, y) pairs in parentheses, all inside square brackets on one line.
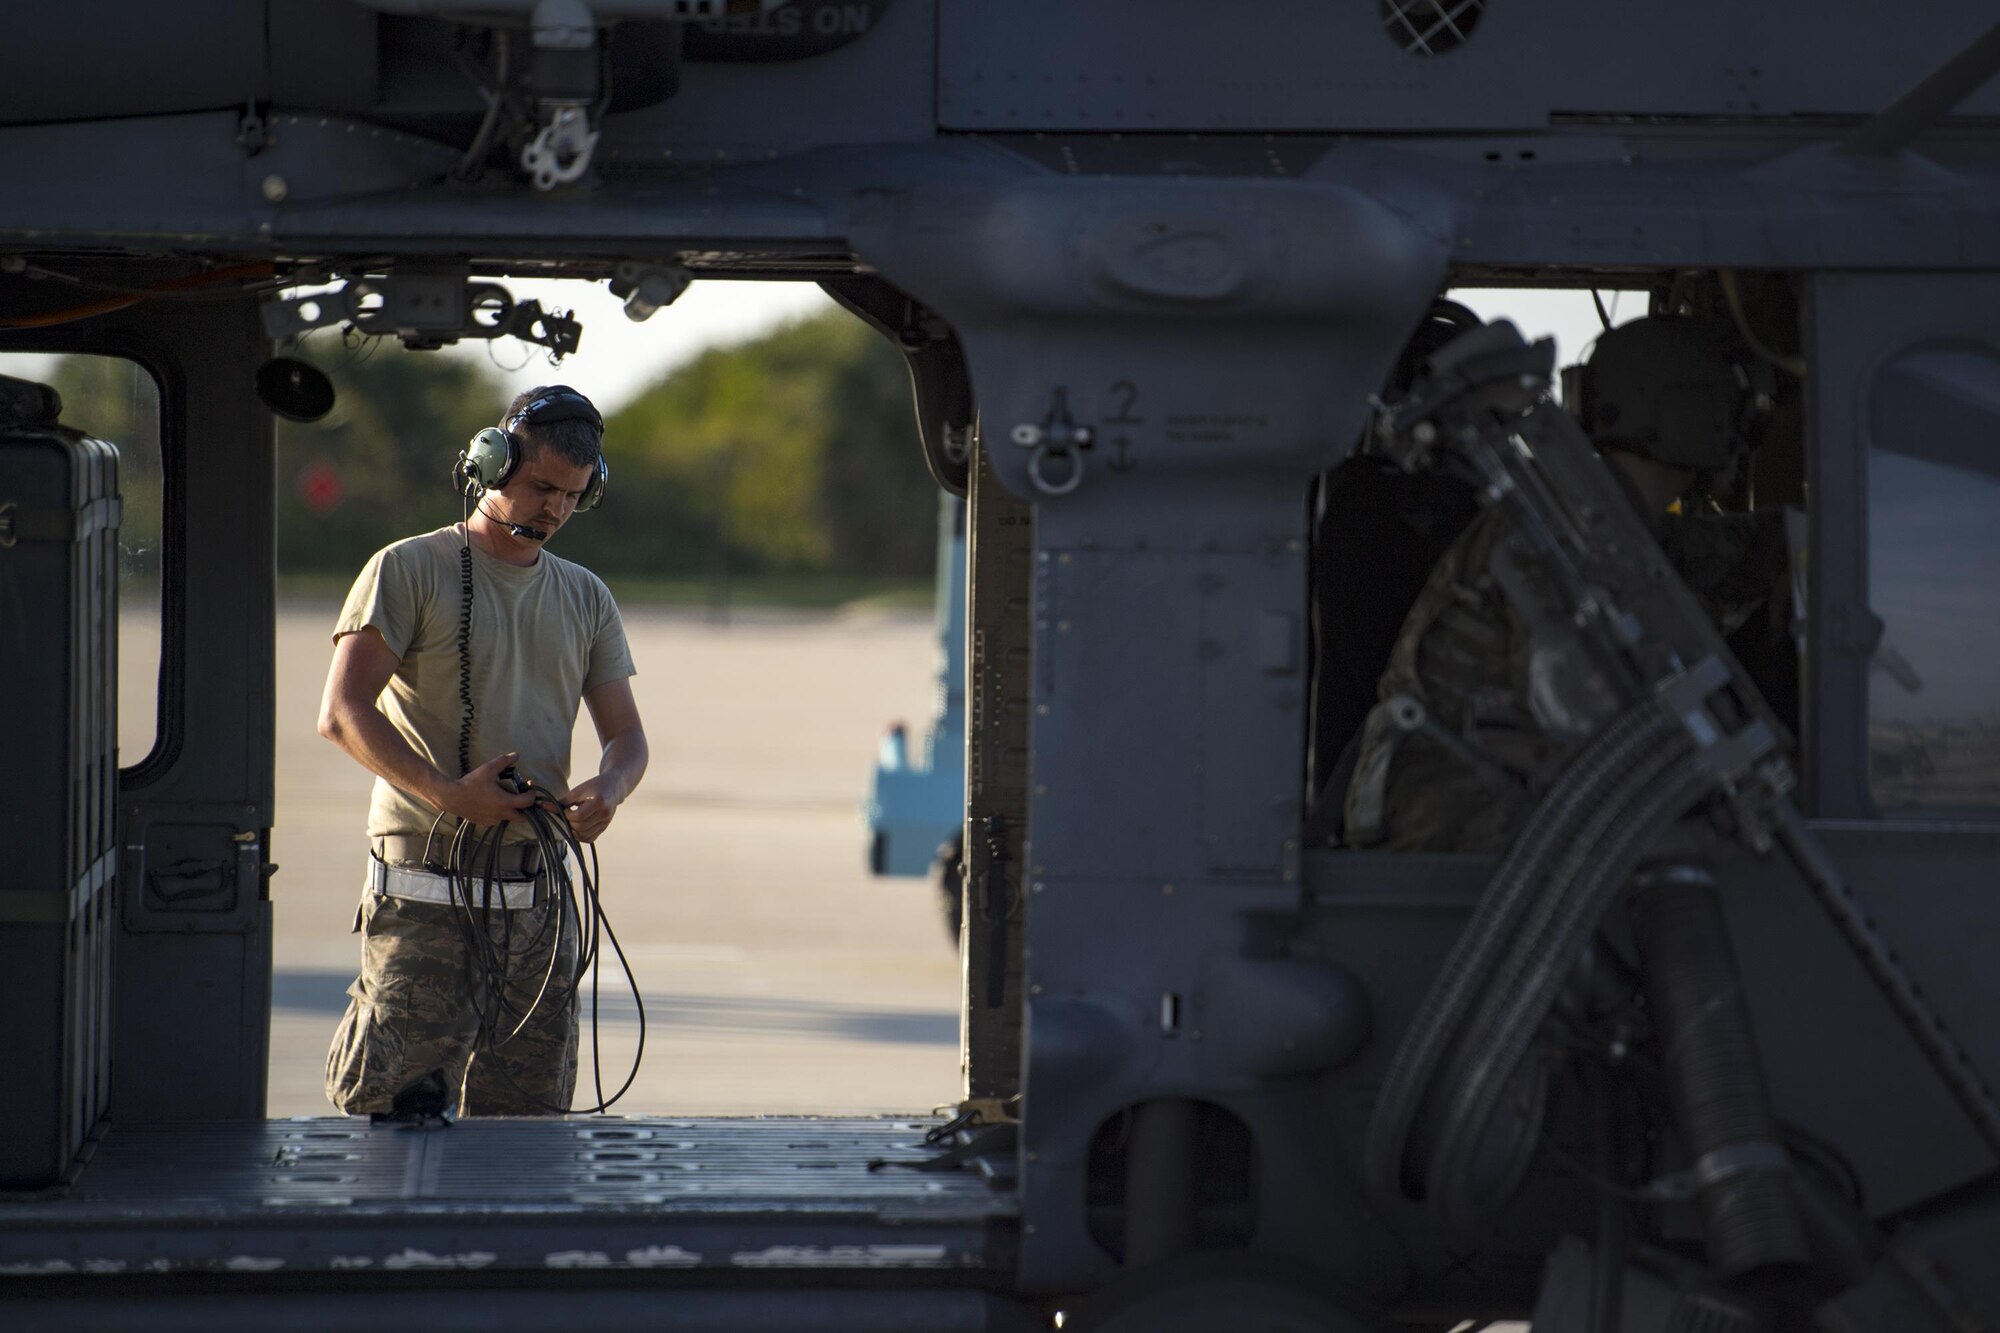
[(772, 646)]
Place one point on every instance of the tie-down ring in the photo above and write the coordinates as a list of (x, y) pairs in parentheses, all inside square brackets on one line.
[(1062, 486)]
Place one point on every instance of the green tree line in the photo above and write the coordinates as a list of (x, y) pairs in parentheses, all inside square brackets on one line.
[(794, 453), (113, 399)]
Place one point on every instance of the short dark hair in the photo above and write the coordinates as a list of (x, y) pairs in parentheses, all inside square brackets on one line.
[(578, 439)]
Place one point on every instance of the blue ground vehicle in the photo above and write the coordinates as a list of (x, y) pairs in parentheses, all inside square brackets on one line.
[(916, 810)]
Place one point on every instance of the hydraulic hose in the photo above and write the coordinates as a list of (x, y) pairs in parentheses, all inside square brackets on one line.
[(1542, 959), (1462, 981), (1743, 1178)]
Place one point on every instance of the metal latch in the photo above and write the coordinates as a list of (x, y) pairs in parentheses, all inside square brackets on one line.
[(1058, 436)]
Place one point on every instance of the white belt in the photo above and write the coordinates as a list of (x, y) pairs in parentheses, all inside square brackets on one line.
[(425, 887)]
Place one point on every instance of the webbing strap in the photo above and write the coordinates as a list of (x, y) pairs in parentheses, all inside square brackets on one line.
[(421, 886), (56, 907), (18, 524)]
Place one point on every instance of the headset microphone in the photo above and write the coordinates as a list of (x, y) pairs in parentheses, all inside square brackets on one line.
[(521, 530)]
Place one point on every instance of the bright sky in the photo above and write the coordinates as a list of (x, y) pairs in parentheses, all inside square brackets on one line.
[(1570, 316)]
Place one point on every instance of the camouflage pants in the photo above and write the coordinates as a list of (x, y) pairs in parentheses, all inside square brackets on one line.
[(416, 1009)]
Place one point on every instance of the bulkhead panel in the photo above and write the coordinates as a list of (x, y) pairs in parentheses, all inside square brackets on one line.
[(1301, 65)]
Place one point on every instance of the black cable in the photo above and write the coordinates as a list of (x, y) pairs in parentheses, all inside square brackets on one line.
[(473, 165), (465, 642), (591, 908), (1607, 1268), (1603, 315), (572, 898), (269, 284)]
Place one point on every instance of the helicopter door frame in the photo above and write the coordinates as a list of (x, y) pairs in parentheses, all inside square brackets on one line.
[(191, 968)]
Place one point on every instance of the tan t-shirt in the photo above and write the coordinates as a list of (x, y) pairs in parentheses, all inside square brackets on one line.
[(542, 636)]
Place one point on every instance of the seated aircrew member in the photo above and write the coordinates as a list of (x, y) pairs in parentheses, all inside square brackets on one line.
[(1473, 717)]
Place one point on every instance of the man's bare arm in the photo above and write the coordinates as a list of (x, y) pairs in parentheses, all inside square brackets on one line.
[(362, 665), (615, 714)]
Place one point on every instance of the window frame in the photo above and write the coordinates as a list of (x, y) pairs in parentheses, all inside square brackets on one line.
[(122, 345), (1856, 324)]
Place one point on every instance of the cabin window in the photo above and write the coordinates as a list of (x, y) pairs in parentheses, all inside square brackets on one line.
[(1934, 544), (119, 401)]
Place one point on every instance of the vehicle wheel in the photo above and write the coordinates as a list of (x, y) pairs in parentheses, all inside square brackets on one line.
[(948, 878), (1218, 1293)]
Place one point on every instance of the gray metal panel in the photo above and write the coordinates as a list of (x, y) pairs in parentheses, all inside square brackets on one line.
[(325, 53), (1106, 620), (1167, 732), (1601, 200), (1870, 1092), (1288, 65), (192, 1023), (94, 58), (643, 1194), (876, 90), (178, 178), (1959, 1238)]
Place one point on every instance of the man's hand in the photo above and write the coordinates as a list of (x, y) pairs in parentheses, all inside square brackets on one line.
[(479, 798), (362, 665), (590, 806)]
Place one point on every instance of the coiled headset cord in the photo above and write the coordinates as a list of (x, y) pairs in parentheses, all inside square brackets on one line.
[(471, 862), (465, 647)]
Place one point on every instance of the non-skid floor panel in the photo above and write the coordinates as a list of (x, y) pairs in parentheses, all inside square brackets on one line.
[(625, 1192)]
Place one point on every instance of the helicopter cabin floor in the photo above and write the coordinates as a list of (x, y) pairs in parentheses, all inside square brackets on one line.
[(720, 1196)]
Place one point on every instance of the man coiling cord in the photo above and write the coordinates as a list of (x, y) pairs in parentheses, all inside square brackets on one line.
[(474, 889), (472, 860), (477, 932)]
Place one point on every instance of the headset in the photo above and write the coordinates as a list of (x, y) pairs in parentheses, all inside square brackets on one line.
[(493, 455), (1679, 389)]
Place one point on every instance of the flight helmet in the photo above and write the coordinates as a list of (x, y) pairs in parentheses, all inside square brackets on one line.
[(1667, 387)]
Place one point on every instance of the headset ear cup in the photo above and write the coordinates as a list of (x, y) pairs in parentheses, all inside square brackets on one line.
[(593, 493), (490, 457)]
